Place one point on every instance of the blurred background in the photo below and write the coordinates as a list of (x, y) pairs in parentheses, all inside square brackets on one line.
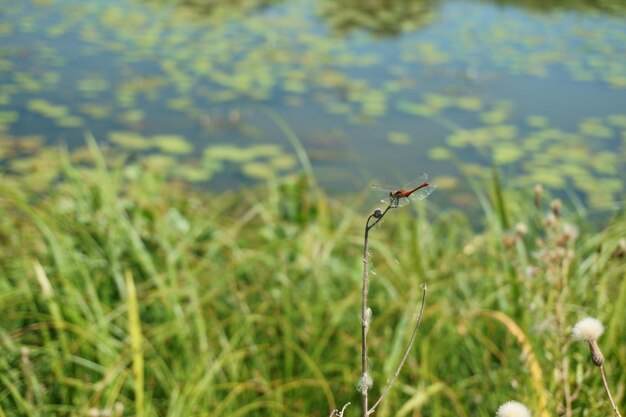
[(373, 91), (161, 253)]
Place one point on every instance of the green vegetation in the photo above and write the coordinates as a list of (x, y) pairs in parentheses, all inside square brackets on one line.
[(223, 8), (605, 6), (383, 19), (125, 293)]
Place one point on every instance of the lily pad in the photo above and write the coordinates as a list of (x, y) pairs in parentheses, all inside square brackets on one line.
[(47, 109), (495, 116), (69, 121), (506, 153), (96, 111), (172, 144), (133, 116), (537, 121), (595, 128), (130, 140), (399, 138), (617, 120), (469, 103), (283, 162), (92, 85), (440, 154), (193, 173), (258, 170), (417, 109), (447, 182), (159, 163), (8, 117)]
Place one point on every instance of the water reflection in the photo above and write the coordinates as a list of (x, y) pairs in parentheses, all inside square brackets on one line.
[(381, 18), (224, 7), (606, 6)]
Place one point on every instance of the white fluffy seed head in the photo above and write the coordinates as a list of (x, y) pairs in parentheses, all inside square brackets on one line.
[(588, 329), (512, 409)]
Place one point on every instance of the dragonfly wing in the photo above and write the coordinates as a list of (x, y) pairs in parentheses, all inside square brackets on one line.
[(421, 178), (386, 188), (422, 193), (398, 201)]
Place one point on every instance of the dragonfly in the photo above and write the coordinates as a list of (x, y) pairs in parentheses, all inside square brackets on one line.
[(418, 189)]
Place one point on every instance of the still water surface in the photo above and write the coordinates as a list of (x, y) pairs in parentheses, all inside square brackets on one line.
[(449, 87)]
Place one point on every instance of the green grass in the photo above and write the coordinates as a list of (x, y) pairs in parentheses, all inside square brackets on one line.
[(122, 292)]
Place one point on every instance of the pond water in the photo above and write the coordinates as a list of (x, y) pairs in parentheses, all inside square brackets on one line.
[(211, 94)]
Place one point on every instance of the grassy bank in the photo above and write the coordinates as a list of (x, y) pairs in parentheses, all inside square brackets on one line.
[(123, 294)]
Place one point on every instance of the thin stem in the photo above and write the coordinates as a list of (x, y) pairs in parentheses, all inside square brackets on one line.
[(337, 413), (364, 324), (406, 353), (608, 392), (365, 317)]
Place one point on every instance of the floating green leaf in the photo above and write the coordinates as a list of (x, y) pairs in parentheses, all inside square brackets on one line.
[(69, 121), (440, 154), (617, 120), (495, 116), (283, 162), (595, 128), (8, 117), (130, 140), (193, 174), (258, 170), (506, 153), (172, 144), (399, 138), (537, 121), (47, 109), (469, 103)]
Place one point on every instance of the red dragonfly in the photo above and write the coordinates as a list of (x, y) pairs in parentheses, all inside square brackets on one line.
[(418, 189)]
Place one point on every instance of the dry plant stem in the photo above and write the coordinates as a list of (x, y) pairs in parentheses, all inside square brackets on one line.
[(608, 392), (406, 354), (337, 413), (364, 308)]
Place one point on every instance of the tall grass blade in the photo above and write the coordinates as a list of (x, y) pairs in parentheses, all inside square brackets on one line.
[(529, 354), (136, 343), (499, 199)]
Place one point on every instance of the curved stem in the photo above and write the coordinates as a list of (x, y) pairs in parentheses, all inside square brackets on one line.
[(364, 310), (364, 324), (406, 354), (608, 392)]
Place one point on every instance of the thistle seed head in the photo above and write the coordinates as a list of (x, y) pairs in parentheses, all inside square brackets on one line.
[(588, 329), (512, 409)]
